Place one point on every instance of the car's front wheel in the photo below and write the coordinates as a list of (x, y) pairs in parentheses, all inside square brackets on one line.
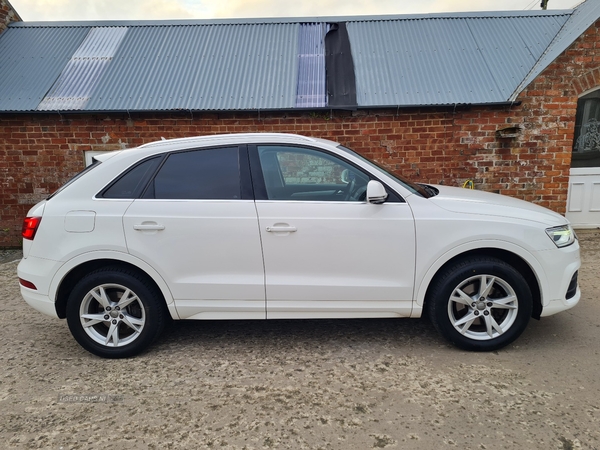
[(480, 303), (115, 313)]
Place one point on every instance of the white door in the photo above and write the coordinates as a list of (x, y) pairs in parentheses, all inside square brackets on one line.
[(583, 203), (196, 230), (327, 252)]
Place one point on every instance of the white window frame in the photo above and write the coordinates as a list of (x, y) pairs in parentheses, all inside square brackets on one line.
[(89, 155)]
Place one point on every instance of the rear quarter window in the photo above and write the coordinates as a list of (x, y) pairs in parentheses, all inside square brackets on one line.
[(131, 184)]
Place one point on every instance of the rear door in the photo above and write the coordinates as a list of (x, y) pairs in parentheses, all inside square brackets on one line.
[(196, 224), (327, 252)]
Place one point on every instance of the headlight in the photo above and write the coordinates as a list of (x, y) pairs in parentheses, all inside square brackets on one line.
[(562, 236)]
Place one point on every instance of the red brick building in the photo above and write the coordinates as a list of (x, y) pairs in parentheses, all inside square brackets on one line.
[(439, 98), (7, 14)]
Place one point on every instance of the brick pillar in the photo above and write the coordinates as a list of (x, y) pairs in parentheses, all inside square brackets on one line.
[(7, 14)]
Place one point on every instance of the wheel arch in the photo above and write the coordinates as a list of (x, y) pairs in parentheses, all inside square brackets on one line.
[(74, 270), (515, 260)]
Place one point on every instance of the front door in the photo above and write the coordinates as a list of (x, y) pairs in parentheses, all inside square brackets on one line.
[(327, 252)]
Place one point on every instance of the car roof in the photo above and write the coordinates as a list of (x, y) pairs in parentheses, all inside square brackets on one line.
[(131, 155), (237, 138)]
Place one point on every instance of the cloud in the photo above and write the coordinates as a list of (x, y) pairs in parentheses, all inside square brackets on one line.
[(100, 10), (206, 9), (278, 8), (271, 8), (494, 5)]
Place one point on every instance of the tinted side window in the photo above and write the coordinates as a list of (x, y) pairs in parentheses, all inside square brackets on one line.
[(130, 184), (199, 174)]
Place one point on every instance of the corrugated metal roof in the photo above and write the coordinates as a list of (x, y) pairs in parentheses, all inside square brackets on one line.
[(262, 64), (446, 60), (30, 61), (75, 84), (206, 67), (582, 18)]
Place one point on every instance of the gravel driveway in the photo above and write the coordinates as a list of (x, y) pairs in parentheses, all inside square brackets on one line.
[(347, 384)]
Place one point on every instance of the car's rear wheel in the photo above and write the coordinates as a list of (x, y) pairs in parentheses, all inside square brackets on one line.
[(480, 303), (115, 313)]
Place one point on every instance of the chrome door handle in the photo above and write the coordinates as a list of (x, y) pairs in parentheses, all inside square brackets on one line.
[(148, 227), (281, 229)]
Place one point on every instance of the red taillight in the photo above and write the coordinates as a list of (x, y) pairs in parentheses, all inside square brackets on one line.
[(30, 226), (27, 284)]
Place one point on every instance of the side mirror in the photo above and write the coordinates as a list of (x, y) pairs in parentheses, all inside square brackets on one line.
[(376, 192)]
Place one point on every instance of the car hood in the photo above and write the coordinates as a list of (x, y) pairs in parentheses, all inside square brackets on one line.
[(469, 201)]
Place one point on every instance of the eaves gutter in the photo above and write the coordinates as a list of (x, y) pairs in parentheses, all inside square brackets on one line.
[(212, 111), (440, 105)]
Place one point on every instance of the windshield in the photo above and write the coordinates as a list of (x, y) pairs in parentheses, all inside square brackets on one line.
[(95, 163), (412, 187)]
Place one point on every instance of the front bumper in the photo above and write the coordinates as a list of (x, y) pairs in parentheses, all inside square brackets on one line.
[(561, 266), (558, 305)]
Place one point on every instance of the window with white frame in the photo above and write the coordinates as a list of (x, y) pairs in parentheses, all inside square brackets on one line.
[(89, 156)]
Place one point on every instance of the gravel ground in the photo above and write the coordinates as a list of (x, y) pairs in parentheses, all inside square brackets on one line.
[(7, 255), (348, 384)]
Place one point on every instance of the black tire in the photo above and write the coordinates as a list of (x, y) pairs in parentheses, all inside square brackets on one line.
[(115, 327), (473, 317)]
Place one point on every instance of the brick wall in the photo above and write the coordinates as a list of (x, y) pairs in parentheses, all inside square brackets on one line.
[(38, 152), (7, 14)]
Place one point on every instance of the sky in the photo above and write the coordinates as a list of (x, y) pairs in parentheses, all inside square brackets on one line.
[(35, 10)]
